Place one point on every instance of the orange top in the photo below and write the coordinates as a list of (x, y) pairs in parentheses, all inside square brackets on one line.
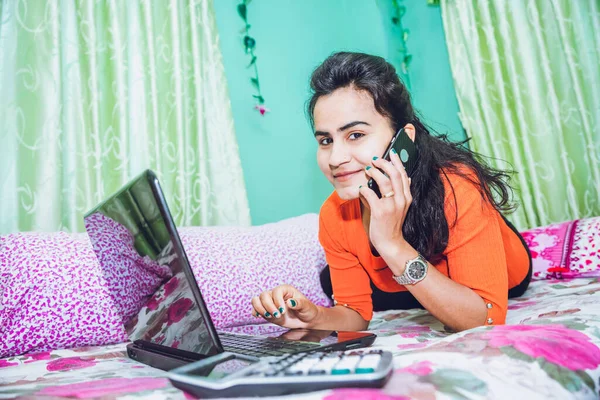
[(483, 253)]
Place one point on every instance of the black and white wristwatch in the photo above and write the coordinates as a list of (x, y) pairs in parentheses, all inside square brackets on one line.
[(415, 271)]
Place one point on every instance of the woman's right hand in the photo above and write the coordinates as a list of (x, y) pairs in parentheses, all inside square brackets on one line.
[(285, 306)]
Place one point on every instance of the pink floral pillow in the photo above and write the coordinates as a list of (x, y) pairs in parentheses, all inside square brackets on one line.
[(565, 250), (233, 264), (53, 295)]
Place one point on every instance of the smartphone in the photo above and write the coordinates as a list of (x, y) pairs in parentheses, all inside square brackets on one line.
[(407, 151)]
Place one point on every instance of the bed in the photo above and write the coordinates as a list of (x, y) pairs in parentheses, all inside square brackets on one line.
[(548, 349)]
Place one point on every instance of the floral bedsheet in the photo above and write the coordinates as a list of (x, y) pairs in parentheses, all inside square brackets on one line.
[(549, 349)]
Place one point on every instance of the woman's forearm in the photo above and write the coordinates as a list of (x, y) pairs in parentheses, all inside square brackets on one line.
[(339, 318), (455, 305)]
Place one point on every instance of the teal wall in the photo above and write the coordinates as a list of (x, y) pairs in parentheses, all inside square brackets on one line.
[(432, 88), (278, 150)]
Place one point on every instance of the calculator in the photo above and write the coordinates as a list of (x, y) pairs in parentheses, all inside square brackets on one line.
[(234, 375)]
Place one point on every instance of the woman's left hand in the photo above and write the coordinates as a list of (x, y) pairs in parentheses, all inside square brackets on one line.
[(389, 212)]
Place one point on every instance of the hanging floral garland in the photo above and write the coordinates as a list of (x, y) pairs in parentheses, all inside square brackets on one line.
[(398, 12), (249, 45)]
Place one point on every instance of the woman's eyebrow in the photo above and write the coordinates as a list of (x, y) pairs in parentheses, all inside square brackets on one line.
[(343, 128), (351, 124)]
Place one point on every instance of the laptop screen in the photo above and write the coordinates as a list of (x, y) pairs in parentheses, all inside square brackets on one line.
[(138, 249)]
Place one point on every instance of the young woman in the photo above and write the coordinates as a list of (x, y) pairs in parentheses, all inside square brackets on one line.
[(435, 240)]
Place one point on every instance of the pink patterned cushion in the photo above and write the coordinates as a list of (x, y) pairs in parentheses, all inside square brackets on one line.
[(233, 264), (53, 295), (565, 250), (585, 252)]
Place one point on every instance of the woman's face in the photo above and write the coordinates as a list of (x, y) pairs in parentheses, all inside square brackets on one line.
[(349, 132)]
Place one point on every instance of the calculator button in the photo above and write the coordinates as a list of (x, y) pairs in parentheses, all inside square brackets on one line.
[(317, 372), (325, 365), (303, 366), (364, 370), (340, 371), (348, 363), (371, 359), (294, 372), (285, 366), (368, 363)]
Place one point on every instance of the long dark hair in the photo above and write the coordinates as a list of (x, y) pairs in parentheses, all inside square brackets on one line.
[(425, 227)]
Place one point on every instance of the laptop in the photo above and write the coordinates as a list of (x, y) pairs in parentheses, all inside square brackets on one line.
[(133, 234)]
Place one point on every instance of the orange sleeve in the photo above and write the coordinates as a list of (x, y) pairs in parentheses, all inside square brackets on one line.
[(350, 281), (475, 251)]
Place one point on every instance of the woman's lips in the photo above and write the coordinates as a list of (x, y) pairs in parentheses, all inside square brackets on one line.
[(345, 176)]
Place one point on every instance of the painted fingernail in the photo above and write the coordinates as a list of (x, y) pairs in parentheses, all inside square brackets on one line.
[(276, 314), (368, 167), (281, 310), (267, 315), (360, 186), (293, 302), (394, 151), (257, 314), (375, 158)]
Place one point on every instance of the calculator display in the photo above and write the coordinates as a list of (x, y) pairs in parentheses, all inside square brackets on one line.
[(222, 369)]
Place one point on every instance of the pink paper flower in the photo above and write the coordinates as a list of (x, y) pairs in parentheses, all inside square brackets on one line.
[(261, 109), (69, 363), (555, 343)]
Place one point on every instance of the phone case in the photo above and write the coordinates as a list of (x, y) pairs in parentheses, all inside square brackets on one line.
[(407, 151)]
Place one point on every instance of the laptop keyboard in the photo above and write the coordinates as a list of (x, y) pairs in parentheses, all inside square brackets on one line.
[(262, 346)]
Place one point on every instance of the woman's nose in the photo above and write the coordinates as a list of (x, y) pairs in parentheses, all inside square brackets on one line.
[(339, 155)]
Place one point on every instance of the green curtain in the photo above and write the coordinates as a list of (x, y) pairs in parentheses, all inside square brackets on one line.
[(94, 92), (527, 77)]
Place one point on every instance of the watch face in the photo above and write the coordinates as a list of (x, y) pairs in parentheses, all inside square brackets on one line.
[(417, 270)]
